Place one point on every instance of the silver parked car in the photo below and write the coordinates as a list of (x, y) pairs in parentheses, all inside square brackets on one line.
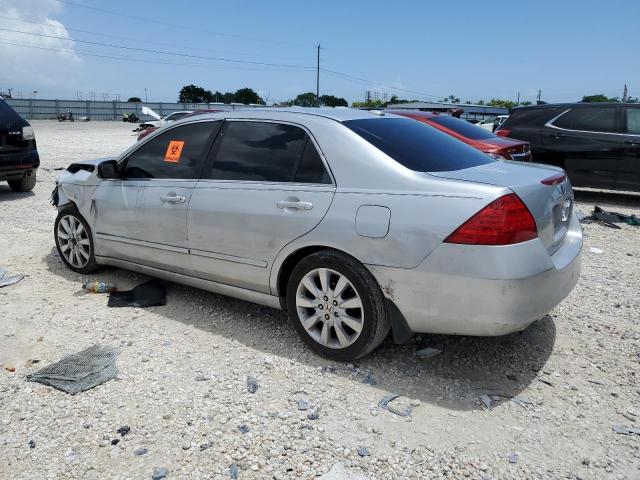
[(356, 223)]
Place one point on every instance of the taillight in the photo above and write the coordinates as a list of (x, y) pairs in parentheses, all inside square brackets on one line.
[(504, 221), (503, 132), (554, 179)]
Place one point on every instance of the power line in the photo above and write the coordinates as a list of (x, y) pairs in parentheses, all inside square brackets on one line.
[(101, 34), (184, 27), (145, 50)]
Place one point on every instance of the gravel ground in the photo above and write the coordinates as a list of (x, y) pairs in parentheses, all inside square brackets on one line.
[(182, 386)]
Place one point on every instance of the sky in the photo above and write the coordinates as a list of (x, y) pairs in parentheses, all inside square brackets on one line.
[(424, 50)]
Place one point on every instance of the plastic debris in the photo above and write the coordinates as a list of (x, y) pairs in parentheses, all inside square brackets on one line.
[(159, 473), (5, 281), (303, 405), (596, 250), (428, 352), (484, 398), (115, 441), (363, 452), (624, 430), (513, 458), (124, 430), (99, 287), (609, 219), (252, 384), (32, 444), (384, 405), (140, 451), (233, 471), (315, 415), (148, 294), (521, 401), (243, 429), (80, 371)]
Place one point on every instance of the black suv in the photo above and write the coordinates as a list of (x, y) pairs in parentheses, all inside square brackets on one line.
[(19, 158), (598, 144)]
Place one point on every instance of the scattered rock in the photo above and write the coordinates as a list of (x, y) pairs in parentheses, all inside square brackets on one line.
[(123, 430), (32, 444), (363, 452), (233, 471), (513, 458), (159, 473), (303, 405), (252, 384), (140, 451), (115, 441), (243, 429)]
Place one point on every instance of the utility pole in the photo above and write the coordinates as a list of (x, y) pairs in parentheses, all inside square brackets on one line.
[(624, 93), (318, 76), (145, 95), (518, 101), (539, 94)]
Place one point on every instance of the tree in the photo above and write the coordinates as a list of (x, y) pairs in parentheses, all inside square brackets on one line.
[(247, 95), (451, 99), (194, 94), (369, 103), (598, 98), (498, 102), (305, 100), (134, 99), (227, 97), (332, 101)]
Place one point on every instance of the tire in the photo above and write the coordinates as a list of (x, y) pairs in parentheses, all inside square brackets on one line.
[(25, 184), (338, 333), (76, 250)]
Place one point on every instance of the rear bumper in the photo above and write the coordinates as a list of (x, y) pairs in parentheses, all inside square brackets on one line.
[(14, 165), (486, 291)]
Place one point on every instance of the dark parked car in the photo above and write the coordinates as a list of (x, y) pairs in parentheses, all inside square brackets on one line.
[(598, 144), (18, 154)]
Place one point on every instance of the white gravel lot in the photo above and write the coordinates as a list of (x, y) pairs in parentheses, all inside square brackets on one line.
[(184, 366)]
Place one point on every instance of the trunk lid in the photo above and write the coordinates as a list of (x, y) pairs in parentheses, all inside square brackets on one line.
[(550, 205)]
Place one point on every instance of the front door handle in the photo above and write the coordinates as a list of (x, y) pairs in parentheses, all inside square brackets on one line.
[(172, 198), (294, 204)]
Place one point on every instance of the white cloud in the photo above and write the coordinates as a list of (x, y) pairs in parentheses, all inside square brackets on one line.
[(52, 64)]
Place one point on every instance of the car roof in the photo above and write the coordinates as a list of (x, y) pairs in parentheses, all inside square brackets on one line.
[(413, 113), (576, 104), (337, 114)]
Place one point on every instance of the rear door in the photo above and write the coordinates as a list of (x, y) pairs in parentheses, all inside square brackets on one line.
[(265, 185), (628, 177), (142, 216), (586, 142)]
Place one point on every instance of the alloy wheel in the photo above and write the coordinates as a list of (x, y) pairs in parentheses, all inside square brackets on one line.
[(329, 308), (73, 240)]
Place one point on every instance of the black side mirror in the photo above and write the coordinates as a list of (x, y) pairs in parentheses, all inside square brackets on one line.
[(108, 169)]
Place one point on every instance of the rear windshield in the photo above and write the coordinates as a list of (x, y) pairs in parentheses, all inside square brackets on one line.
[(417, 146), (462, 127), (9, 115)]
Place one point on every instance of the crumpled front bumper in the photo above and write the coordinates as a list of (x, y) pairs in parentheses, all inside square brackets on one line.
[(484, 290)]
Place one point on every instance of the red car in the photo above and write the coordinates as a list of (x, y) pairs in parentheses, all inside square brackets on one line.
[(499, 148), (149, 130)]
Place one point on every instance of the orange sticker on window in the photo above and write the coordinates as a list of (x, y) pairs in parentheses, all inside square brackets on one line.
[(174, 150)]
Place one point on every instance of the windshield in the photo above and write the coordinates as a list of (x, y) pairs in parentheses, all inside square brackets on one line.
[(417, 146), (463, 127)]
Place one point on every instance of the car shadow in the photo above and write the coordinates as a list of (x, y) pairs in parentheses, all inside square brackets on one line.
[(629, 199), (466, 368), (8, 195)]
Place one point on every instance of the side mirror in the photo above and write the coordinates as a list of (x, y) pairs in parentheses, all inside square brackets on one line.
[(108, 169)]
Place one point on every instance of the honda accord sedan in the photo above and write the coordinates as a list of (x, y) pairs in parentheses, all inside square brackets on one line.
[(355, 223)]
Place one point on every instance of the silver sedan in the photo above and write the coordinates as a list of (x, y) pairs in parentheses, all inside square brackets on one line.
[(356, 223)]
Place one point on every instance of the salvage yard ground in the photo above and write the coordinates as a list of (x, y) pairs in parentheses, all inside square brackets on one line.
[(556, 390)]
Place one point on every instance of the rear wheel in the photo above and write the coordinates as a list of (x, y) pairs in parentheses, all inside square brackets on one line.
[(74, 240), (25, 184), (336, 306)]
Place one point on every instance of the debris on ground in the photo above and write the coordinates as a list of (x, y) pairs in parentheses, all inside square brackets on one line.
[(609, 219), (384, 405), (140, 451), (486, 400), (80, 371), (100, 287), (315, 415), (32, 444), (521, 401), (148, 294), (425, 353), (363, 452), (252, 384), (5, 281), (624, 430), (369, 380), (233, 471), (303, 405), (115, 441), (513, 458), (243, 429), (124, 430), (9, 367), (31, 362), (596, 250), (159, 473)]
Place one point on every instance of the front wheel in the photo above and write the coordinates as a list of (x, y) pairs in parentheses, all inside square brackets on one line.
[(336, 306), (74, 241)]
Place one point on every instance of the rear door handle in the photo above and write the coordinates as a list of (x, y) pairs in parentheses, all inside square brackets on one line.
[(557, 135), (294, 204), (172, 198)]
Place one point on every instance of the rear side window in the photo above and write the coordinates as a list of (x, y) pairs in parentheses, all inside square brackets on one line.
[(258, 151), (417, 146), (177, 153), (633, 120), (531, 117), (591, 119), (463, 127), (311, 169)]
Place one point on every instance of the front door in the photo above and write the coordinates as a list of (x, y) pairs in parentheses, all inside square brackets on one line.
[(264, 186), (586, 142), (142, 216), (629, 170)]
